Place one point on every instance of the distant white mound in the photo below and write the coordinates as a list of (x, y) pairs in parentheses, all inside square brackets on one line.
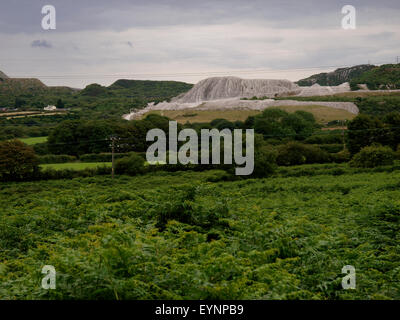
[(317, 90), (227, 93), (232, 87)]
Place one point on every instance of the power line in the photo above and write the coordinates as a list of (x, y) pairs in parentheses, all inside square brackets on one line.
[(184, 74)]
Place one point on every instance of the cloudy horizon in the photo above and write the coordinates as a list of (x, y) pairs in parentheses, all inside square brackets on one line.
[(102, 41)]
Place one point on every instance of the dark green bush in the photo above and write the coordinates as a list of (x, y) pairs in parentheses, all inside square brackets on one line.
[(56, 158), (264, 162), (132, 165), (295, 153), (52, 174), (331, 148), (17, 161), (342, 156), (373, 156), (41, 148), (331, 138)]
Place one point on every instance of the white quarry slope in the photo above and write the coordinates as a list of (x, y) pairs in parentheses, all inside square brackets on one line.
[(226, 93), (232, 87), (317, 90)]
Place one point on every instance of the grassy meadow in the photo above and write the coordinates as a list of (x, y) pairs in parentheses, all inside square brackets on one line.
[(322, 114), (34, 140)]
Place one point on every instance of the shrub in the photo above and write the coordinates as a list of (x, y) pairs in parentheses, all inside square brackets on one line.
[(342, 156), (41, 148), (331, 148), (132, 165), (56, 158), (373, 156), (290, 154), (331, 138), (264, 162), (105, 156), (17, 161), (295, 153)]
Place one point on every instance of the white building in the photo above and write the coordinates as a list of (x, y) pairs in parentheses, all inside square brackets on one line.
[(50, 108)]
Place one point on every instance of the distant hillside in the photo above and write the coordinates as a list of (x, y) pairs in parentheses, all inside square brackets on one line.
[(3, 76), (143, 89), (24, 86), (336, 77), (383, 77), (151, 89), (16, 86)]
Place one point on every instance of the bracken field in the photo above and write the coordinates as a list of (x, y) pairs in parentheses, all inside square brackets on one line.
[(181, 236)]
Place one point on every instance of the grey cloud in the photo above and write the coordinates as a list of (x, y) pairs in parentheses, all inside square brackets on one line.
[(41, 44), (381, 36), (25, 15)]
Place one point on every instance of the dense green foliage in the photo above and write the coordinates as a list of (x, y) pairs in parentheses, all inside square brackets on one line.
[(176, 236), (92, 103), (132, 165), (373, 156), (366, 130), (277, 123), (17, 161), (336, 77), (384, 77), (295, 153)]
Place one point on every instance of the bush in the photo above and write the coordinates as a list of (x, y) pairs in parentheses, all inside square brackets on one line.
[(56, 158), (330, 138), (132, 165), (295, 153), (342, 156), (264, 162), (17, 161), (52, 174), (331, 148), (104, 157), (373, 156), (41, 148)]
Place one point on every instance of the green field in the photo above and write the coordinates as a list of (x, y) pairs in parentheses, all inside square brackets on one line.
[(178, 236), (75, 165), (34, 140)]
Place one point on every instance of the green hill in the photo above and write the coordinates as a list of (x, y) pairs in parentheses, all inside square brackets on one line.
[(16, 86), (383, 77), (140, 89), (336, 77), (150, 89)]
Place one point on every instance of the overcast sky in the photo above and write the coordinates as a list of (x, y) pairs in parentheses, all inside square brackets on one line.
[(103, 40)]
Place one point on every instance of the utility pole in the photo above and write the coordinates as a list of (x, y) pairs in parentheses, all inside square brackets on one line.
[(343, 139), (112, 157), (112, 138)]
